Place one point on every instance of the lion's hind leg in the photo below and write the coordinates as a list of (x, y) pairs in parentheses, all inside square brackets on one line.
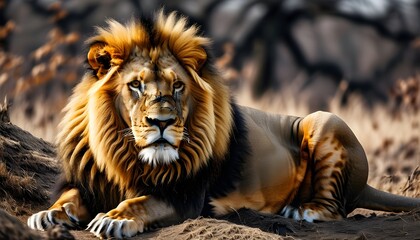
[(325, 202), (328, 181), (329, 157), (68, 211)]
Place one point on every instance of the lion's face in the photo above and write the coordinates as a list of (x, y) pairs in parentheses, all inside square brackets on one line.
[(154, 104)]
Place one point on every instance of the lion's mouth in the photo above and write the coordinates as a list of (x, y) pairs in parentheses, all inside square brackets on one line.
[(160, 142), (158, 152)]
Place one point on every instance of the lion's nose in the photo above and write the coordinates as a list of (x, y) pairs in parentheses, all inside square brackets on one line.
[(162, 124)]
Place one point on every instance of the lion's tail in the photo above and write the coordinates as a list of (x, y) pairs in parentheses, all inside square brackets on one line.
[(375, 199)]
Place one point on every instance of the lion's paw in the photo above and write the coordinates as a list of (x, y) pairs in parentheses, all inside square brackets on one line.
[(109, 226), (45, 219)]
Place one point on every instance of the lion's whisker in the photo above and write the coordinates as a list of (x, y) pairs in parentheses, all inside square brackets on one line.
[(125, 130), (128, 133), (186, 135)]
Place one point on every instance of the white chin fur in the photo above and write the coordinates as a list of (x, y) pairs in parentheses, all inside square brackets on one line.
[(155, 155)]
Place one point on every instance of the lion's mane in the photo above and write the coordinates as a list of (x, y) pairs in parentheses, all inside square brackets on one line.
[(97, 156)]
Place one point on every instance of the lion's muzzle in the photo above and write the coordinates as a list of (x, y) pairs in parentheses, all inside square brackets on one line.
[(161, 133)]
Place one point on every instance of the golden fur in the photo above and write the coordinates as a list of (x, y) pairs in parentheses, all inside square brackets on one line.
[(151, 137)]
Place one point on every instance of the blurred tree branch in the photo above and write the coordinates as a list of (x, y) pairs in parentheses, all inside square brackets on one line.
[(277, 24), (256, 28)]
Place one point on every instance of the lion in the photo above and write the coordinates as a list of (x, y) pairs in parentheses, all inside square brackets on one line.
[(151, 137)]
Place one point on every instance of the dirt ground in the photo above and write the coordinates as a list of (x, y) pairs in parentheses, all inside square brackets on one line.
[(401, 226), (257, 226)]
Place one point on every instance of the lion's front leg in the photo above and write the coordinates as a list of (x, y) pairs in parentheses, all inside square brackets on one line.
[(132, 216)]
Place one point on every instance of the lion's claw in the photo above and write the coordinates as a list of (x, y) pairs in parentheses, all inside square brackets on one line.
[(48, 218), (104, 226)]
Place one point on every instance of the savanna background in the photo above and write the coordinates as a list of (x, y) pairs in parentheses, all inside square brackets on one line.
[(359, 59)]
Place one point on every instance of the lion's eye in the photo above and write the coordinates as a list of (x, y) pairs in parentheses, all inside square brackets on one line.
[(137, 88), (178, 86), (135, 84)]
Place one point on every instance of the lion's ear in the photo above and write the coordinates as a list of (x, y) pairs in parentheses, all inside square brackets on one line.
[(101, 57)]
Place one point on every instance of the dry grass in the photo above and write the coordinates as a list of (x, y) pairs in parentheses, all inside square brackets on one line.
[(27, 168)]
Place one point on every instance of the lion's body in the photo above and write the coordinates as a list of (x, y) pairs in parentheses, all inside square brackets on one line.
[(299, 160), (151, 137)]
